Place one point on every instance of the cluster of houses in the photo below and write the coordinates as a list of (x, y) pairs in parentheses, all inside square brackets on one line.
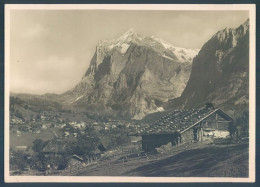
[(68, 129), (16, 121), (57, 148)]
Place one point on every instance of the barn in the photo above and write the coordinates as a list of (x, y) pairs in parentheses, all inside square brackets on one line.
[(186, 126)]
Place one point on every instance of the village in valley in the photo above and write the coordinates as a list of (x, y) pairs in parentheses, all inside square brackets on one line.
[(53, 133), (53, 142)]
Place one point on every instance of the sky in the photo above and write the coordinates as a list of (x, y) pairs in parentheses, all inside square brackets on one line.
[(50, 50)]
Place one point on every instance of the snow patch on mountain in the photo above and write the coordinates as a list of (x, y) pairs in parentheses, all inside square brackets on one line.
[(181, 53), (78, 98), (167, 57), (124, 48), (185, 54), (123, 43), (141, 115)]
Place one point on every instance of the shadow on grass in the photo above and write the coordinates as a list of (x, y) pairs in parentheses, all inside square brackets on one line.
[(231, 161)]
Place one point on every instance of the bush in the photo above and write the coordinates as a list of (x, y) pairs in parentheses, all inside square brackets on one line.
[(85, 144), (19, 160), (242, 123), (38, 145), (122, 139), (18, 114)]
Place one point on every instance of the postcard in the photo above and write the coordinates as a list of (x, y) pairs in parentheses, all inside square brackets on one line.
[(130, 93)]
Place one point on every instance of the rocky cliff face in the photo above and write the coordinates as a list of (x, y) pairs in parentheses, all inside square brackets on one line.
[(131, 75), (220, 72)]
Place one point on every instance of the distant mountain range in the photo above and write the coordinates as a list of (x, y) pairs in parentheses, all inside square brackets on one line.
[(135, 75)]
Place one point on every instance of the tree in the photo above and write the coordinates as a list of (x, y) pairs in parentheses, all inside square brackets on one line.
[(19, 160), (38, 145), (243, 118), (233, 130), (85, 144), (37, 161), (18, 114), (242, 122), (56, 161)]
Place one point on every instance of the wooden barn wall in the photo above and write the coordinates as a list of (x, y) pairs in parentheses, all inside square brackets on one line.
[(187, 136), (218, 124), (150, 142)]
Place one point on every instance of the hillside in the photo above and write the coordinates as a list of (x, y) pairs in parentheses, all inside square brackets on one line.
[(220, 73), (201, 160)]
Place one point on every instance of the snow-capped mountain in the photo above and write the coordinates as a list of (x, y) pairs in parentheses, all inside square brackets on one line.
[(166, 49), (131, 75)]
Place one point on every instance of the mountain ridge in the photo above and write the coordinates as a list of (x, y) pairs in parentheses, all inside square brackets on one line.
[(220, 72)]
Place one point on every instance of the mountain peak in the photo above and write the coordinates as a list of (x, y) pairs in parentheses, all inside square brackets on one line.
[(133, 71), (222, 62), (230, 36), (130, 31), (246, 23), (166, 49), (128, 35)]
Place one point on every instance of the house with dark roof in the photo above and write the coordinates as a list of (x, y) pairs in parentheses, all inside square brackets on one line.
[(55, 147), (75, 160), (184, 126)]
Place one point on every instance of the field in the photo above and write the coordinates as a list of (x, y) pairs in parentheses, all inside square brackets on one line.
[(206, 162), (200, 160), (27, 138)]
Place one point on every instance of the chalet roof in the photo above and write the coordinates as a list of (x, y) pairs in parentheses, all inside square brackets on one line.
[(105, 141), (77, 157), (181, 120)]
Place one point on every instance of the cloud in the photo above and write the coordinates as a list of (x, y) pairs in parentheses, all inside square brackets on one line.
[(186, 20), (53, 74), (50, 50), (35, 31)]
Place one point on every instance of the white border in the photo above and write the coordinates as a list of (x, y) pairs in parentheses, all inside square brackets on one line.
[(252, 18)]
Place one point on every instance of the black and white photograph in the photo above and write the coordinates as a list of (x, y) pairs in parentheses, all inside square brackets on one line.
[(130, 93)]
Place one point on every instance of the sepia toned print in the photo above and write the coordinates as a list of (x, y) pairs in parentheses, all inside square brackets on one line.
[(130, 93)]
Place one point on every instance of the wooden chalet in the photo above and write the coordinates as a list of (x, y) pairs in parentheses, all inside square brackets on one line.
[(182, 126), (54, 147)]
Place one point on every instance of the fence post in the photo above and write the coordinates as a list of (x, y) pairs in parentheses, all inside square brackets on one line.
[(146, 156)]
